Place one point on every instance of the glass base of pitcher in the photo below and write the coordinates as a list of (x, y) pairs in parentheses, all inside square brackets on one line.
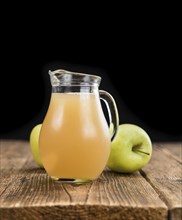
[(70, 180)]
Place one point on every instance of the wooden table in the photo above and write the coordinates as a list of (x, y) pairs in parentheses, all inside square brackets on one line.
[(155, 192)]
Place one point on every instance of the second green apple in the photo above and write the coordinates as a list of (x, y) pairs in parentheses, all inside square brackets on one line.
[(34, 144)]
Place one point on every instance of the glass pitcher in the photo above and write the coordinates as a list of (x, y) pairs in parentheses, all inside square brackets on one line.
[(75, 138)]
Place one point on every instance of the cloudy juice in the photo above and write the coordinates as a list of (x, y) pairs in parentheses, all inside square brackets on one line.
[(74, 139)]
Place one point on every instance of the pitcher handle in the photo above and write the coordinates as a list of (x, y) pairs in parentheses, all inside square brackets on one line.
[(112, 111)]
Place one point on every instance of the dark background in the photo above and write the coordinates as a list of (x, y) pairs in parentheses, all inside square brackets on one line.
[(142, 97), (139, 65)]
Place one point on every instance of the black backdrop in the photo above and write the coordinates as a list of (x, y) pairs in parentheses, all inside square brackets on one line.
[(146, 93), (142, 74)]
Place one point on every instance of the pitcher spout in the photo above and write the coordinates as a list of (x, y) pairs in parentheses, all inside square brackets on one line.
[(54, 79)]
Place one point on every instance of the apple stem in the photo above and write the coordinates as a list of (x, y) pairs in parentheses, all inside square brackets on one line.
[(142, 152)]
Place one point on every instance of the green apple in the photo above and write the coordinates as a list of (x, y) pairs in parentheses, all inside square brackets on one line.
[(131, 149), (34, 144)]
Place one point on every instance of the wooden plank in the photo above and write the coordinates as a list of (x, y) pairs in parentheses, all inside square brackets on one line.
[(164, 172), (172, 148), (27, 191)]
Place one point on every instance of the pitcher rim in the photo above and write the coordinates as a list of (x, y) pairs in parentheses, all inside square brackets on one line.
[(63, 71), (66, 77)]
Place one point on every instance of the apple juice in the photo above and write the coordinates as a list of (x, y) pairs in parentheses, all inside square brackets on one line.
[(74, 139)]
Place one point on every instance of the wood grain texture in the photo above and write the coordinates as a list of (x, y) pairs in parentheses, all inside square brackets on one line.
[(164, 173), (26, 192), (173, 149)]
